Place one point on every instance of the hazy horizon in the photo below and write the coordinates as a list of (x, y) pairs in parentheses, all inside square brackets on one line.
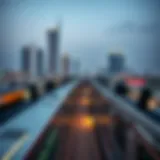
[(89, 31)]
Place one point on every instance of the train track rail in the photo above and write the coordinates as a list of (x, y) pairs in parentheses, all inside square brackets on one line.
[(78, 130)]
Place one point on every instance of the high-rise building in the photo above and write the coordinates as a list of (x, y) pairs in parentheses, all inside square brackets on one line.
[(65, 64), (28, 60), (53, 45), (116, 63), (39, 62)]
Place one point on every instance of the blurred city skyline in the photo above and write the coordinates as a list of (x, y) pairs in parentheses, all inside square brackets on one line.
[(89, 30)]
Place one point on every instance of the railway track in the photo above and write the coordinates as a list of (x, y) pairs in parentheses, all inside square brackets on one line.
[(78, 130)]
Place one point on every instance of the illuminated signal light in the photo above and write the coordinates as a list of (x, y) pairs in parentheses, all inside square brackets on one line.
[(135, 81), (86, 122)]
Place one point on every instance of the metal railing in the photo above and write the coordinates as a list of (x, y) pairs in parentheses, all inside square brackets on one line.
[(133, 115)]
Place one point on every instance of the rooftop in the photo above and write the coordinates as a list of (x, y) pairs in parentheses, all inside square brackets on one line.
[(116, 53), (55, 29)]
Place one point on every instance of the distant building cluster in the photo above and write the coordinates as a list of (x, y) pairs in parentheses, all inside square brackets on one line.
[(32, 61), (116, 63), (33, 58)]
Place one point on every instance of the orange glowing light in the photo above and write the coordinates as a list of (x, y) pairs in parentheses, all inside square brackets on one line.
[(82, 121), (13, 96), (86, 122)]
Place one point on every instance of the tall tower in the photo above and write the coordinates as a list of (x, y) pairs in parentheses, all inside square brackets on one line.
[(53, 49), (28, 60), (39, 62)]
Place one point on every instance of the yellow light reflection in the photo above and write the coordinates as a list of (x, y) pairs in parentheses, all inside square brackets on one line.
[(85, 123), (82, 121)]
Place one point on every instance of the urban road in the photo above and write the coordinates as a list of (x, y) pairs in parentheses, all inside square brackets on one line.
[(78, 130)]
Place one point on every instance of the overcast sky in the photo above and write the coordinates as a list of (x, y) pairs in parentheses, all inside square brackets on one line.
[(90, 30)]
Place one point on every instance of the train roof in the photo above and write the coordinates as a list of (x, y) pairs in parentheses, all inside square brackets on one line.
[(9, 88)]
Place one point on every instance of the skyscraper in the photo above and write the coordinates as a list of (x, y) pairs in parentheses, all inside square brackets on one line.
[(65, 64), (28, 60), (53, 45), (39, 62), (116, 63)]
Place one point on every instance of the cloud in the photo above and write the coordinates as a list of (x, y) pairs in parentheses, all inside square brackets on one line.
[(133, 27), (127, 26), (139, 41)]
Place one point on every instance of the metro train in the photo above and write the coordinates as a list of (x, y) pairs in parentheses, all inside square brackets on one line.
[(12, 94)]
